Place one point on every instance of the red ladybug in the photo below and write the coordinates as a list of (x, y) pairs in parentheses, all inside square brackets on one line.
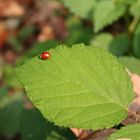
[(45, 55)]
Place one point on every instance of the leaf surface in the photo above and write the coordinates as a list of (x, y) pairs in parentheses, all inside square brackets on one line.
[(29, 123), (106, 12), (131, 132), (34, 127), (134, 9), (82, 8), (119, 45), (102, 40), (131, 63), (78, 87), (10, 112)]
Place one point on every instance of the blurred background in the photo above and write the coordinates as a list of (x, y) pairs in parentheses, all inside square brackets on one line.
[(29, 27)]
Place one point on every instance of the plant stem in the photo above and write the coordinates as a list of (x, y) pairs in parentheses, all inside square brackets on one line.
[(133, 25)]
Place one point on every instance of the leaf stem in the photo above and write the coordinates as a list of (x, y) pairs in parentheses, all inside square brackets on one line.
[(133, 25)]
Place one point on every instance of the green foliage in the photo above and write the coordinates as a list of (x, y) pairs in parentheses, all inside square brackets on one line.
[(85, 8), (10, 112), (12, 40), (135, 8), (118, 45), (18, 40), (136, 42), (37, 49), (130, 132), (102, 13), (102, 40), (10, 78), (1, 67), (131, 63), (37, 128), (26, 32), (128, 2), (79, 87), (106, 13), (76, 32), (14, 118), (42, 46)]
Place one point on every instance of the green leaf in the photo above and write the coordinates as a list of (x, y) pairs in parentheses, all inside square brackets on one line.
[(13, 41), (130, 132), (136, 42), (134, 9), (80, 87), (10, 112), (131, 63), (76, 32), (10, 78), (42, 46), (2, 63), (102, 40), (128, 2), (117, 46), (27, 122), (120, 45), (3, 91), (106, 13), (34, 127), (37, 49), (26, 32), (82, 8)]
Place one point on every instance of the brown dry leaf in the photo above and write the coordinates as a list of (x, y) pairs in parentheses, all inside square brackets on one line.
[(137, 100), (10, 8), (10, 56), (82, 134), (100, 134), (136, 86), (27, 103), (25, 1), (136, 83), (46, 33), (134, 109), (3, 34), (76, 131), (59, 25), (92, 135), (45, 10)]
